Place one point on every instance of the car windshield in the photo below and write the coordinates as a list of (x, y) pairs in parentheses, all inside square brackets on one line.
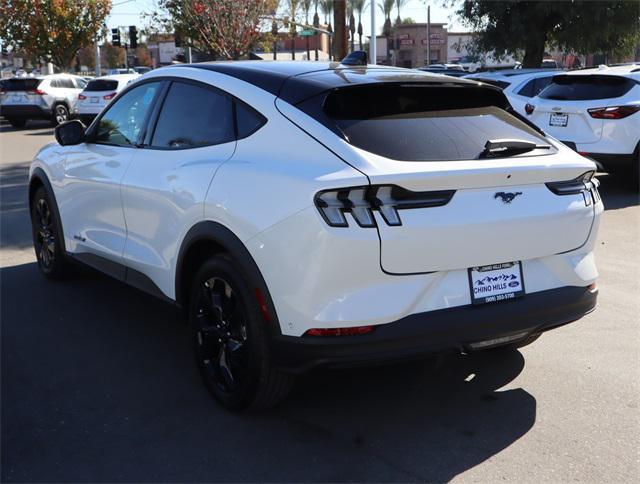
[(586, 87)]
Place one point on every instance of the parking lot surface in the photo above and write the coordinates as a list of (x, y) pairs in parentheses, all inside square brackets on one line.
[(99, 384)]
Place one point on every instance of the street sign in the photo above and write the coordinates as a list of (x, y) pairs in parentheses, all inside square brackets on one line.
[(307, 33)]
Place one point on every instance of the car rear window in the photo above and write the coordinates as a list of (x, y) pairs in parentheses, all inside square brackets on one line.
[(424, 123), (587, 87), (102, 85), (21, 84), (494, 82)]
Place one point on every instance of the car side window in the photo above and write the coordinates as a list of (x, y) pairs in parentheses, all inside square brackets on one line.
[(249, 120), (81, 83), (541, 83), (122, 124), (528, 89), (54, 83), (193, 116)]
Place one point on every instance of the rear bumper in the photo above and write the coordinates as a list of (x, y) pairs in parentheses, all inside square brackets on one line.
[(25, 112), (443, 330)]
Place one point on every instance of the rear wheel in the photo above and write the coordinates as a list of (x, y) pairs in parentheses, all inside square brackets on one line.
[(635, 171), (230, 339), (17, 123), (47, 236), (60, 114)]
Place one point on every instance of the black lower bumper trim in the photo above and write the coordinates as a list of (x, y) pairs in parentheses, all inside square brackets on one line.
[(436, 331)]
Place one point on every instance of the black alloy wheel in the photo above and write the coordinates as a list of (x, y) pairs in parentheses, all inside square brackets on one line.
[(47, 236), (60, 114), (221, 335)]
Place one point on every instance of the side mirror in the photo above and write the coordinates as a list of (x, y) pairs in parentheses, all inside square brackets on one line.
[(70, 133)]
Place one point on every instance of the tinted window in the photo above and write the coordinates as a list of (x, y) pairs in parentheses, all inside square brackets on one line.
[(585, 87), (534, 86), (21, 84), (494, 82), (193, 116), (81, 83), (102, 85), (424, 123), (249, 121), (123, 122), (65, 83)]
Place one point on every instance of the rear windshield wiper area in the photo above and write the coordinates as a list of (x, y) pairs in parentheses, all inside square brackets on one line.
[(509, 147)]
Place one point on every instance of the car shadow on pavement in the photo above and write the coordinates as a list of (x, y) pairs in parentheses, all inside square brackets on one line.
[(5, 127), (616, 191), (99, 384), (15, 228)]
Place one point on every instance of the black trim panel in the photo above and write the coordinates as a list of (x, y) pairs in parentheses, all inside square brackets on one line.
[(25, 112), (443, 330)]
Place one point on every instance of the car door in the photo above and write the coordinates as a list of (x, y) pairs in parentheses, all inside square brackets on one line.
[(89, 200), (164, 189)]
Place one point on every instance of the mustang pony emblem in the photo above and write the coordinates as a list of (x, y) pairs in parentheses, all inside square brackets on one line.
[(507, 197)]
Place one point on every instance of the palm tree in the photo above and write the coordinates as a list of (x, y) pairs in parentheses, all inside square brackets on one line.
[(399, 5), (316, 23), (293, 11), (387, 6), (352, 24), (327, 9), (359, 6)]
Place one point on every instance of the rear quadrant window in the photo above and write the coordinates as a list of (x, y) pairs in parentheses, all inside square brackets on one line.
[(193, 116), (249, 120)]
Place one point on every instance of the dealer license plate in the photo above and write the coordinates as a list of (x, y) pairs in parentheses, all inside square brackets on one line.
[(558, 119), (94, 99), (497, 282)]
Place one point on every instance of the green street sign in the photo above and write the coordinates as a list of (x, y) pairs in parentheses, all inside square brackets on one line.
[(307, 33)]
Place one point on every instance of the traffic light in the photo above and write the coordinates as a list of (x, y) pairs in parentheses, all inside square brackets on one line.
[(177, 39), (133, 37), (115, 37)]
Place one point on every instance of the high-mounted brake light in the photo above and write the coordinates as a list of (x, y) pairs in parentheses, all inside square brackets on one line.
[(614, 112), (356, 330), (361, 202), (109, 96), (529, 108)]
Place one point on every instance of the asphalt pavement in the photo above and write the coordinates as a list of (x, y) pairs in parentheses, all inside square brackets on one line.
[(98, 384)]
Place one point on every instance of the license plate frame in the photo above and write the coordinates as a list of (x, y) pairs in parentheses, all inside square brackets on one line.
[(559, 120), (95, 99), (496, 282)]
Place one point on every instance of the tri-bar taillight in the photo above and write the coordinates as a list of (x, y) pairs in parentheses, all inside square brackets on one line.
[(614, 112), (586, 184), (362, 201)]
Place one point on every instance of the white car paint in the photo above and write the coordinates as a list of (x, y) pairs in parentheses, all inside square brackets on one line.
[(135, 205), (91, 101)]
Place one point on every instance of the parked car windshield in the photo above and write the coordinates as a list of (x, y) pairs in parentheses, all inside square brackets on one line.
[(586, 87), (424, 123)]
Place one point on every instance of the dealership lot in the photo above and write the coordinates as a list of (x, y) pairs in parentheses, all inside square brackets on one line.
[(98, 384)]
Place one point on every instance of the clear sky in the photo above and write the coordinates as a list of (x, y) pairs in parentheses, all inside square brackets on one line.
[(128, 12)]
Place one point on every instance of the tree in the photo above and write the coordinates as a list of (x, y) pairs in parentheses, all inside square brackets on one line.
[(327, 9), (582, 26), (293, 6), (53, 30), (359, 6), (399, 5), (221, 28), (387, 6)]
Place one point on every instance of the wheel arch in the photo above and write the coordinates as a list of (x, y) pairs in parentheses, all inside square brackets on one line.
[(39, 179), (209, 238)]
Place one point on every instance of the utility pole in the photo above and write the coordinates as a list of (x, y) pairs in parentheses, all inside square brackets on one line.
[(373, 39), (340, 32), (98, 62), (428, 35)]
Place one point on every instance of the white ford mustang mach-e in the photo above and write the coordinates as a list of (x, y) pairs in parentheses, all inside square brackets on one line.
[(307, 214)]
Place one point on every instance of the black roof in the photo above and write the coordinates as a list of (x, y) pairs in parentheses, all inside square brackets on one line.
[(295, 81)]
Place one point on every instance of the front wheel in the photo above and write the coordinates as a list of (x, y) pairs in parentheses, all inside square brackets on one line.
[(47, 236), (60, 114), (230, 339)]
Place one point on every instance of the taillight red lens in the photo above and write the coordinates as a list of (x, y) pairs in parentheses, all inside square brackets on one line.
[(528, 108), (109, 96), (340, 331), (39, 92), (614, 112), (81, 97)]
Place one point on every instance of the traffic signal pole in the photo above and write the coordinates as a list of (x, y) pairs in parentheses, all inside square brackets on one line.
[(373, 40)]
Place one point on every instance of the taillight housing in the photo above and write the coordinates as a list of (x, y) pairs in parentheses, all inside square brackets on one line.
[(38, 92), (361, 202), (529, 108), (82, 97), (586, 184), (107, 97), (614, 112)]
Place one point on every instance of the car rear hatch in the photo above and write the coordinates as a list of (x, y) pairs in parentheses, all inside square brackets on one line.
[(21, 91), (441, 201), (98, 93), (562, 109)]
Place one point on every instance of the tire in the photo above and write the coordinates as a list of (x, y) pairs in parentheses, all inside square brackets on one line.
[(635, 171), (47, 236), (17, 123), (60, 114), (230, 339)]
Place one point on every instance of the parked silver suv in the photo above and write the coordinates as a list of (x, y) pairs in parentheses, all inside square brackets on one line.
[(51, 97)]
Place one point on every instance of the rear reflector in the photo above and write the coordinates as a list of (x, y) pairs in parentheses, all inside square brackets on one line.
[(340, 331)]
